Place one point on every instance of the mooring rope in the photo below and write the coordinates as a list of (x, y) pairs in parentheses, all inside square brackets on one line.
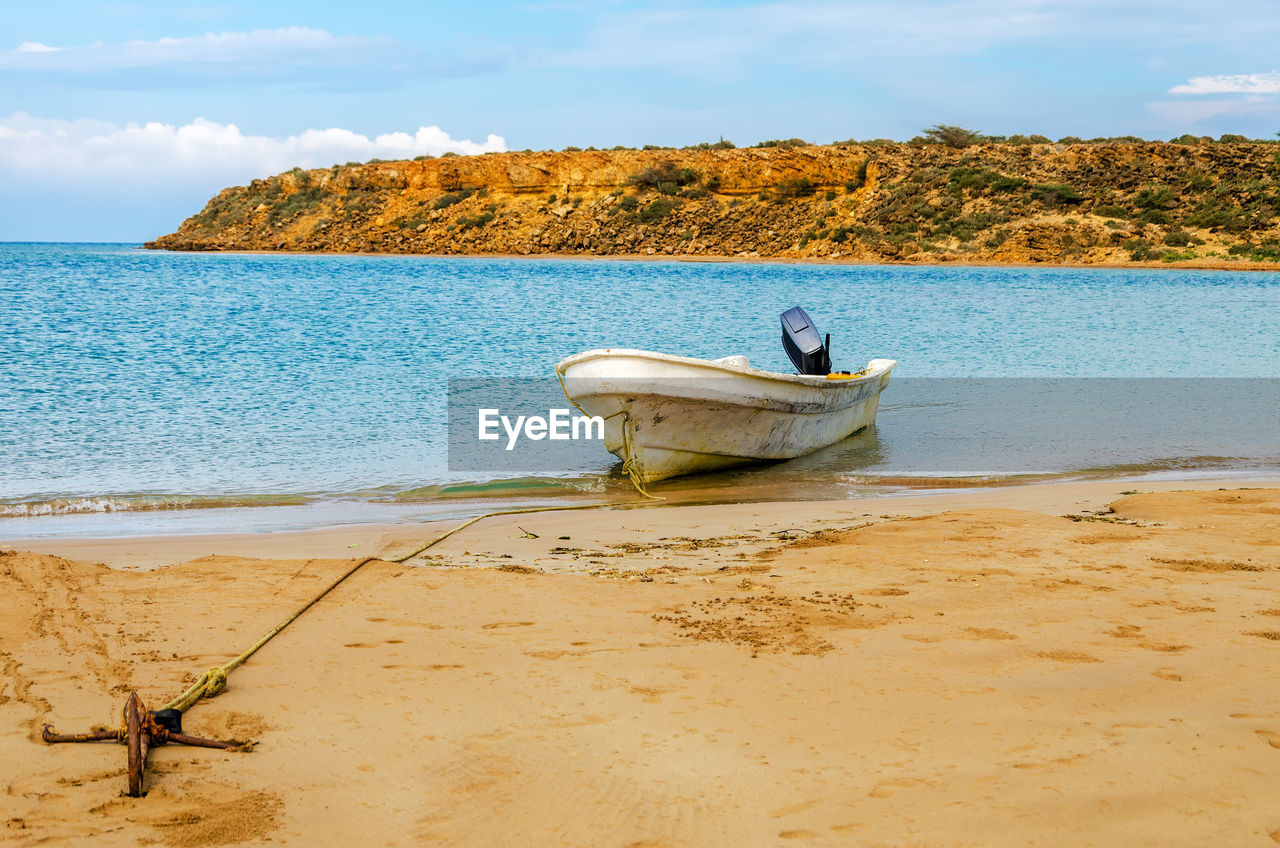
[(214, 680), (630, 464)]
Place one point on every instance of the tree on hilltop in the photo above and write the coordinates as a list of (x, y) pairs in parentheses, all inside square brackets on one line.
[(952, 136)]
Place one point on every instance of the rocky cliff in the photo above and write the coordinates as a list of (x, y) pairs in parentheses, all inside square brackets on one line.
[(1103, 203)]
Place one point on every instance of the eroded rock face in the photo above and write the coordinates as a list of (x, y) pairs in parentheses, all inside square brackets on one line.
[(1087, 203)]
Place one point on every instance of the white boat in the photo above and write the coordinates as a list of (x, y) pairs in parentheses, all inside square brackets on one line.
[(669, 415)]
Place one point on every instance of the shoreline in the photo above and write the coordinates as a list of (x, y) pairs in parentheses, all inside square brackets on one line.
[(345, 540), (1190, 265)]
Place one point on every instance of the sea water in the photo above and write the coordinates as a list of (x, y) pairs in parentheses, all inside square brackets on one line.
[(147, 391)]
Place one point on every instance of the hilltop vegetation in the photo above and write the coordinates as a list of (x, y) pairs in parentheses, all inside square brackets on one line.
[(950, 196)]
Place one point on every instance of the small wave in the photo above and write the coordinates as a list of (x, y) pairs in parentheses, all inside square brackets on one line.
[(46, 505), (1182, 465), (977, 481), (1187, 463), (762, 482), (503, 488), (91, 504)]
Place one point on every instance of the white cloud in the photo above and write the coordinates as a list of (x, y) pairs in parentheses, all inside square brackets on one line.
[(1220, 96), (201, 152), (296, 53), (1267, 83), (1181, 113), (284, 45)]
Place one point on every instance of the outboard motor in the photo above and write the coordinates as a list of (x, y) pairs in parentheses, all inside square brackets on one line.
[(808, 352)]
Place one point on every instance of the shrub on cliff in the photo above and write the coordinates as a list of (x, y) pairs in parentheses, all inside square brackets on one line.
[(447, 200), (1111, 211), (657, 210), (1178, 237), (1056, 194), (225, 210), (1142, 250), (1266, 251), (1156, 197), (665, 177), (793, 187), (466, 223), (722, 144), (295, 203), (859, 176), (978, 179), (1215, 215), (783, 142), (952, 136)]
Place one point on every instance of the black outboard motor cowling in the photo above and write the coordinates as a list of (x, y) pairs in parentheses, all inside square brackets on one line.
[(808, 352)]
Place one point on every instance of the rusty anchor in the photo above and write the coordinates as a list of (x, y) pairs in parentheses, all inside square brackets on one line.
[(140, 731)]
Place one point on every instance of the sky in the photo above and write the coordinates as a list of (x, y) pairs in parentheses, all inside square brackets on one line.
[(120, 119)]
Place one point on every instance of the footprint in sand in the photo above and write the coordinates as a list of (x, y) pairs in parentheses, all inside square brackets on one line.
[(1273, 635), (886, 788), (987, 633), (793, 809), (1068, 656), (1164, 648), (1270, 737)]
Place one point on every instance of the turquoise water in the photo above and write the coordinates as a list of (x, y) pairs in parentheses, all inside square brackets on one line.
[(136, 380)]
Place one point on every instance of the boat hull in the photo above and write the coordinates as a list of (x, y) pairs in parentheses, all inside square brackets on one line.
[(671, 415)]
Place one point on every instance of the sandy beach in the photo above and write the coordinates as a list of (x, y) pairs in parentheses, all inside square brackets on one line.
[(1071, 663)]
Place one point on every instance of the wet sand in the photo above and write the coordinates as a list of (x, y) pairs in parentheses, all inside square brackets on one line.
[(1053, 664)]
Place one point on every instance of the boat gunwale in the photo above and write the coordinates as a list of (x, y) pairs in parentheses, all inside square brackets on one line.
[(876, 368)]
